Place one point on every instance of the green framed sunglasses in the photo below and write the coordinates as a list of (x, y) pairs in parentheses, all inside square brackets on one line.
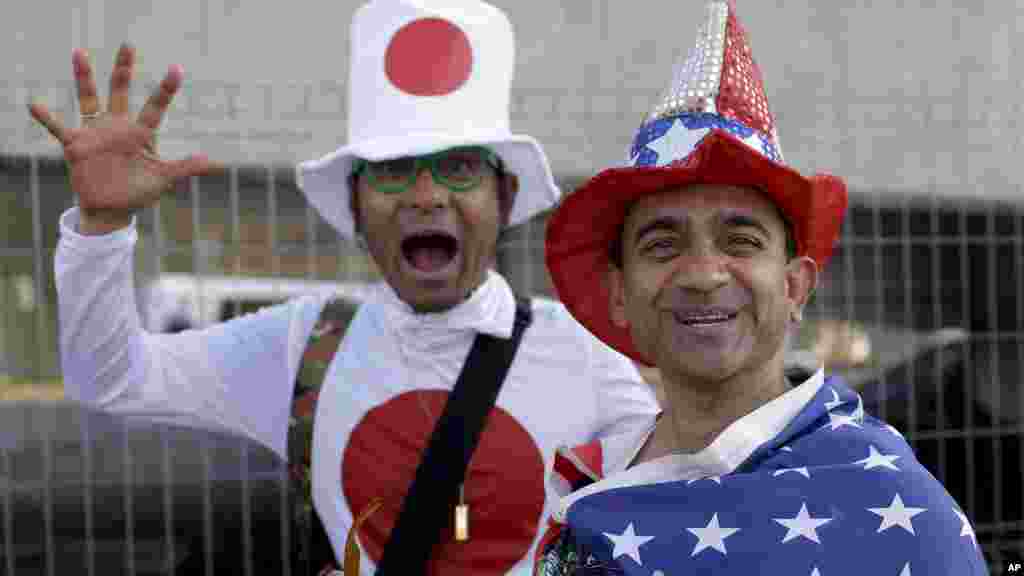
[(458, 169)]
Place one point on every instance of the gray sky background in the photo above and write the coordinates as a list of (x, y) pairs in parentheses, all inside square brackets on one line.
[(916, 96)]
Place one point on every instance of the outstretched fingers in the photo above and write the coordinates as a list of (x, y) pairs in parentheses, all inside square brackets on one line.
[(195, 165), (121, 80), (54, 126), (156, 105), (85, 82)]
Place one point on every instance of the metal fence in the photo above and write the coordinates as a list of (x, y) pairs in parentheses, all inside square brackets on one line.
[(935, 287), (920, 267)]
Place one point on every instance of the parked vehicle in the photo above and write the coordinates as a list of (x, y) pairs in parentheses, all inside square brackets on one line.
[(175, 302)]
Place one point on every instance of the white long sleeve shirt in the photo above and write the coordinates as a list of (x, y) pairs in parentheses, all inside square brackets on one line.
[(383, 391)]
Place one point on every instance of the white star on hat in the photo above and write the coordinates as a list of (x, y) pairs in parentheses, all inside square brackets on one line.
[(906, 570), (896, 514), (628, 544), (711, 536), (966, 529), (815, 572), (676, 142), (802, 525), (802, 470), (875, 459)]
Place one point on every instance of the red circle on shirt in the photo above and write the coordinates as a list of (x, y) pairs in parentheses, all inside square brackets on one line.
[(428, 57), (504, 485)]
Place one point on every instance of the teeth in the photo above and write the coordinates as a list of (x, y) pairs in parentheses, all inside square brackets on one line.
[(706, 319)]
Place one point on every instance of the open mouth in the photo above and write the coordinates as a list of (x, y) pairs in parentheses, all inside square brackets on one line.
[(430, 251), (705, 319)]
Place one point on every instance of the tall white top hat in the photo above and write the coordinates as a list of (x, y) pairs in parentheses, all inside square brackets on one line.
[(426, 75)]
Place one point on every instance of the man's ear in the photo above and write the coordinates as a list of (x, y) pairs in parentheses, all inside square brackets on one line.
[(617, 296), (507, 196), (801, 281)]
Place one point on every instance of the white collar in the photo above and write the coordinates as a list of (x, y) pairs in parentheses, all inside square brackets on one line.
[(730, 449), (490, 309)]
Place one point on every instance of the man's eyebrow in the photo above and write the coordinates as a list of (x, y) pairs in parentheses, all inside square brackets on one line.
[(663, 223), (742, 220)]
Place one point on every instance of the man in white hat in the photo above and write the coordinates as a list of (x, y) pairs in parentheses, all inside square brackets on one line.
[(430, 176), (699, 257)]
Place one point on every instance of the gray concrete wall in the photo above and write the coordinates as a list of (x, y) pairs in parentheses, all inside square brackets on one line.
[(916, 95)]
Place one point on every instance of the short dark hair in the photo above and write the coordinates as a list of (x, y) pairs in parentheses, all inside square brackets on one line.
[(615, 250)]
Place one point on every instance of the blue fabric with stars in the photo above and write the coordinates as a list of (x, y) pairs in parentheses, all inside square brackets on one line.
[(837, 492), (642, 155)]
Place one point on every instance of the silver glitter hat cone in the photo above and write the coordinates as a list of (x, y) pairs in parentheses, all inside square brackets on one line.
[(717, 86)]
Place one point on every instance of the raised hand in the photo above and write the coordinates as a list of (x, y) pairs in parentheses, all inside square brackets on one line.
[(112, 158)]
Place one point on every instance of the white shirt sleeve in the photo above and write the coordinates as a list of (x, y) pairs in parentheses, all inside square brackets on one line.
[(624, 400), (237, 376)]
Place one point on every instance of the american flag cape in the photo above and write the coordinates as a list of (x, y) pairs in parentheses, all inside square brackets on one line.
[(837, 492)]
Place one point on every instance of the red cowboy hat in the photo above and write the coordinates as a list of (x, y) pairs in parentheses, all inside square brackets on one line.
[(712, 127)]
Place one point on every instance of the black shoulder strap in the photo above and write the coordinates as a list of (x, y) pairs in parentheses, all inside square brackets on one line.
[(427, 506)]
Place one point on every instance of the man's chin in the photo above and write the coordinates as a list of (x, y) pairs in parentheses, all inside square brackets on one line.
[(431, 301), (707, 368), (429, 295), (433, 291)]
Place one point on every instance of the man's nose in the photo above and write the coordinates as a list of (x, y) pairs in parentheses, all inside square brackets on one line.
[(426, 194), (701, 270)]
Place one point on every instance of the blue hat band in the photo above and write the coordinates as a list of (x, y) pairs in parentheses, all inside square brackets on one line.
[(666, 140)]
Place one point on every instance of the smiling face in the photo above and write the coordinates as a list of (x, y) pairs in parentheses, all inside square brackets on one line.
[(432, 244), (706, 287)]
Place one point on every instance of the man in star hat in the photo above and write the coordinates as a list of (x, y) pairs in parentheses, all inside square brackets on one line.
[(698, 257), (430, 175)]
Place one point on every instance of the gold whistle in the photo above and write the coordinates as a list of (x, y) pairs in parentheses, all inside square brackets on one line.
[(461, 517)]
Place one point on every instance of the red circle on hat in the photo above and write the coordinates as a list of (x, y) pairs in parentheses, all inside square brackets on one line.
[(504, 484), (429, 57)]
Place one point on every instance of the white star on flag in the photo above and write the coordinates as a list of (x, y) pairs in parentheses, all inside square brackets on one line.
[(837, 421), (858, 414), (711, 536), (875, 459), (835, 400), (676, 143), (815, 572), (906, 570), (966, 530), (802, 525), (896, 514), (802, 470), (716, 479), (628, 543)]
